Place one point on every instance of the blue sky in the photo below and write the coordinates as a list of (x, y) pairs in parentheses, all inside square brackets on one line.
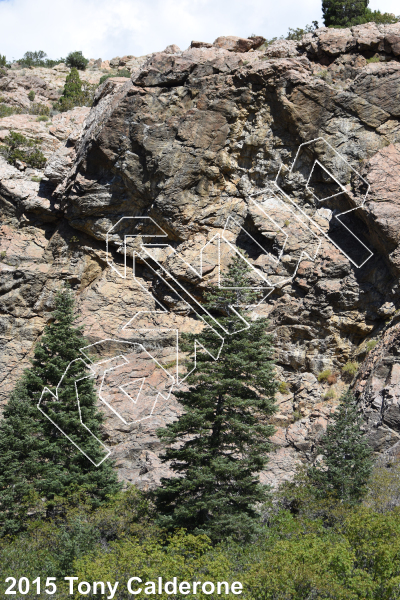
[(104, 28)]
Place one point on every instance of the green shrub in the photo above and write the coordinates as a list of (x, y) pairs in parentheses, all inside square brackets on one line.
[(121, 73), (3, 60), (324, 74), (376, 16), (2, 254), (283, 388), (31, 95), (77, 60), (18, 147), (7, 111), (374, 59), (350, 368), (329, 394), (323, 375), (38, 59), (42, 118), (297, 416), (371, 344), (36, 179), (76, 93), (38, 108), (297, 34)]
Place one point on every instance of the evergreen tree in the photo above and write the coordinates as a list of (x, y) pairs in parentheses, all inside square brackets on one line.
[(38, 464), (347, 463), (220, 444), (344, 13), (76, 92)]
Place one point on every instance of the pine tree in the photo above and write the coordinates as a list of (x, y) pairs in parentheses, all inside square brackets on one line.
[(220, 444), (76, 92), (38, 464), (344, 13), (347, 463)]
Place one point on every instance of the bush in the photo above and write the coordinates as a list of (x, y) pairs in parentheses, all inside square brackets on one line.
[(323, 375), (370, 345), (331, 379), (350, 368), (296, 416), (18, 147), (35, 109), (330, 394), (76, 93), (42, 118), (297, 34), (31, 95), (3, 60), (39, 109), (7, 111), (77, 60), (38, 59), (283, 388)]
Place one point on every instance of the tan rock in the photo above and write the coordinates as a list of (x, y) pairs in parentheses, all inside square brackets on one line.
[(238, 44)]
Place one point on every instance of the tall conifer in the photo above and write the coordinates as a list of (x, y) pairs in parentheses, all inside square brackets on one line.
[(37, 462), (346, 466), (344, 13), (221, 442)]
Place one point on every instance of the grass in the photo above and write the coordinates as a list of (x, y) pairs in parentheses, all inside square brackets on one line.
[(350, 368), (7, 111), (167, 365), (283, 388), (286, 223), (36, 109), (35, 178), (3, 254), (297, 416), (373, 59), (323, 74), (42, 118), (330, 394), (371, 344), (323, 375)]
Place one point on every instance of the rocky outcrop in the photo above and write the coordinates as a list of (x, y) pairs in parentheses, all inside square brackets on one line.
[(290, 152), (47, 84)]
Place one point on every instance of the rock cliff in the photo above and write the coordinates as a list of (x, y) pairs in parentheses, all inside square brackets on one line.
[(290, 152)]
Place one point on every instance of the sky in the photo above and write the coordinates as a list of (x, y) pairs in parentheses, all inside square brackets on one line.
[(108, 28)]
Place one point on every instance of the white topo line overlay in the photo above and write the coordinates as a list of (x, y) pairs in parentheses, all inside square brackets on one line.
[(165, 276)]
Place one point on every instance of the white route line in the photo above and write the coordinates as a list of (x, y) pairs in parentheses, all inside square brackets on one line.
[(46, 389), (145, 255)]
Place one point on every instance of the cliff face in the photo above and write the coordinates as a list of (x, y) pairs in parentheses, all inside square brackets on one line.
[(291, 153)]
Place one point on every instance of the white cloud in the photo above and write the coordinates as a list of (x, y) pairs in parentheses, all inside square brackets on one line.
[(104, 28)]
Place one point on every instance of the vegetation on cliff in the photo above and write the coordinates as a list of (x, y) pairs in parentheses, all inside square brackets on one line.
[(76, 92), (346, 13), (347, 465), (39, 465), (17, 147), (224, 428)]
